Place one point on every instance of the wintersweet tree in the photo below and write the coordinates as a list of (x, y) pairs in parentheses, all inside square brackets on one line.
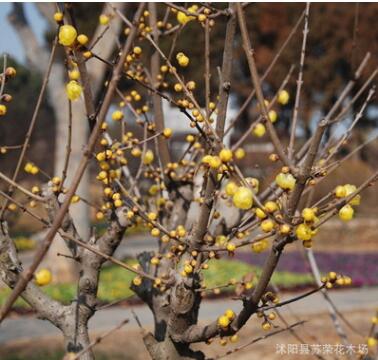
[(186, 199)]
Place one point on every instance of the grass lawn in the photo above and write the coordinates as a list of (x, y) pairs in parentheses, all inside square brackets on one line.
[(115, 281)]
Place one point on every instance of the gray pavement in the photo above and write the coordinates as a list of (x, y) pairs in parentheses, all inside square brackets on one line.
[(29, 327)]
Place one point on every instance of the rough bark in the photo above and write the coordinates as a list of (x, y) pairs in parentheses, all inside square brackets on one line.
[(10, 268)]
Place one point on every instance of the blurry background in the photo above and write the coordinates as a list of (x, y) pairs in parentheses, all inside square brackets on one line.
[(339, 37)]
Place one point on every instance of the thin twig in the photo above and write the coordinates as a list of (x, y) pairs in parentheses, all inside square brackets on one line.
[(68, 145), (107, 257), (2, 76), (32, 124), (257, 84), (99, 339), (299, 84), (19, 187), (295, 298), (259, 339), (266, 73)]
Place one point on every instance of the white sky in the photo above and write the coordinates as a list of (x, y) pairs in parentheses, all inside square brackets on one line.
[(9, 41)]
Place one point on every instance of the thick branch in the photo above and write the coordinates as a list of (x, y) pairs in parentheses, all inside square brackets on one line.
[(226, 74), (205, 210), (10, 268)]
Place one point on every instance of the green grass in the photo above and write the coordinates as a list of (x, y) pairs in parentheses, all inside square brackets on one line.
[(24, 241), (221, 271), (115, 281)]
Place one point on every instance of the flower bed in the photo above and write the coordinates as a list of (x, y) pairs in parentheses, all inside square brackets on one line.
[(361, 267)]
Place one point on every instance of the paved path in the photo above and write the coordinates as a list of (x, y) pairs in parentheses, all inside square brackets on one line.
[(30, 327)]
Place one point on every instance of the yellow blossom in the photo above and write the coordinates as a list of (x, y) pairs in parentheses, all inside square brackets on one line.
[(67, 35), (73, 90)]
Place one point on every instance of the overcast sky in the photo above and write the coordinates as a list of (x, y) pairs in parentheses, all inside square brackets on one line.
[(9, 41)]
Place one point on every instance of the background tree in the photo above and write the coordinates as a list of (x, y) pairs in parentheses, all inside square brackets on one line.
[(333, 47), (162, 191), (37, 57)]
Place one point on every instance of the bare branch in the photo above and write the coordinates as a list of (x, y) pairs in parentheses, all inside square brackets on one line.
[(32, 125), (257, 84), (259, 339), (299, 84), (100, 338), (10, 268)]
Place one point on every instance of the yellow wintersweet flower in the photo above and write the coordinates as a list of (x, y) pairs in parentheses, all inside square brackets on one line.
[(67, 35), (283, 97), (73, 90), (182, 18), (148, 157)]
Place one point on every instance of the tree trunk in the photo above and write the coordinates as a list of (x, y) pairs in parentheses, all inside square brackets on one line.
[(77, 339), (168, 350)]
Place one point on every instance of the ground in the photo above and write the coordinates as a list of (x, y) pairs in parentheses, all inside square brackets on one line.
[(127, 345), (42, 340), (24, 337)]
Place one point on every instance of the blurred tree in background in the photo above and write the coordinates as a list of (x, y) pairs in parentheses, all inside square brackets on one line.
[(201, 202), (76, 130), (334, 47), (26, 87)]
